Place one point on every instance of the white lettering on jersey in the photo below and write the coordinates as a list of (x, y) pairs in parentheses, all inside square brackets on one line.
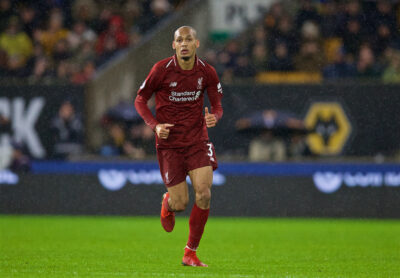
[(184, 96), (173, 84)]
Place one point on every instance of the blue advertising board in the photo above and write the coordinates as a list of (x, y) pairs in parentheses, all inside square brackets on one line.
[(250, 189)]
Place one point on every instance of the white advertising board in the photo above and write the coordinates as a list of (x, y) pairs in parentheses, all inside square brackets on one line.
[(232, 16)]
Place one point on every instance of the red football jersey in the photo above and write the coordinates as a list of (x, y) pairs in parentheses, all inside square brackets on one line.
[(179, 100)]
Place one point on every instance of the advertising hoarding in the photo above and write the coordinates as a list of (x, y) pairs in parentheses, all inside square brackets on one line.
[(240, 189)]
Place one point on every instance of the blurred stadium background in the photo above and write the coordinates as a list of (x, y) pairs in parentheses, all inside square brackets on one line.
[(311, 99), (310, 104)]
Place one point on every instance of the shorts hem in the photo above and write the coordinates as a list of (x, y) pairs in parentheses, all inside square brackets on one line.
[(197, 167), (173, 184)]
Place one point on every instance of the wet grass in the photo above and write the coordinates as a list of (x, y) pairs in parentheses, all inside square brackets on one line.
[(59, 246)]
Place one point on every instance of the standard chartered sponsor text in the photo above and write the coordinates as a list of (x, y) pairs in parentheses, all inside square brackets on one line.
[(184, 96)]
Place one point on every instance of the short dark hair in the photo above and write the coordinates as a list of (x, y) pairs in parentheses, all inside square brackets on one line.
[(188, 27)]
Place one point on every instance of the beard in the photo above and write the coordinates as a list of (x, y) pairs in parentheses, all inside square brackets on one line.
[(185, 58)]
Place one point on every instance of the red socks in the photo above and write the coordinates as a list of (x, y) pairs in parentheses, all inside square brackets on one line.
[(197, 221)]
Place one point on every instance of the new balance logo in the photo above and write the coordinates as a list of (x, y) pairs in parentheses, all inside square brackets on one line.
[(173, 84)]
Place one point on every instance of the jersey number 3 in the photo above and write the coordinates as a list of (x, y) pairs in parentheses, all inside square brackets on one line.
[(210, 151)]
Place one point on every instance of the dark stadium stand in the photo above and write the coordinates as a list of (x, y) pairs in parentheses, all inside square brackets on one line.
[(61, 42), (353, 40)]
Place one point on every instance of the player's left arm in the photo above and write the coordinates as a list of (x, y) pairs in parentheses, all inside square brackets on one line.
[(214, 91)]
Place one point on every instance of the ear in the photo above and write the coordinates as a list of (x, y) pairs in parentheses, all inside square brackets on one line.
[(197, 43), (173, 45)]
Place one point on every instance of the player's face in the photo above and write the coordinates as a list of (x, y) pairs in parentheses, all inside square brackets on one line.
[(185, 44)]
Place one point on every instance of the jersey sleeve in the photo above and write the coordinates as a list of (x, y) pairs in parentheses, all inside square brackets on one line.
[(214, 91), (146, 90)]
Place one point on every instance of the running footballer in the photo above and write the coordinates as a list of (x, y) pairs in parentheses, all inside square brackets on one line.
[(183, 147)]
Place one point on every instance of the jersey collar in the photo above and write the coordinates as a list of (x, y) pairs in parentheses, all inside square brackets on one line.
[(186, 72)]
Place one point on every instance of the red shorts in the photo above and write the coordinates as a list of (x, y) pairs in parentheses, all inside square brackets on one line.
[(175, 163)]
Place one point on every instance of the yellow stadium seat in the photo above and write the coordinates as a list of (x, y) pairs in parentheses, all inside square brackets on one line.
[(275, 77), (331, 47)]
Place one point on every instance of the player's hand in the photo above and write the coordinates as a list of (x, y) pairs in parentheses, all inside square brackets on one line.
[(210, 119), (162, 130)]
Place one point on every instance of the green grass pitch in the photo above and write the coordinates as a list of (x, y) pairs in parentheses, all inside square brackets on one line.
[(50, 246)]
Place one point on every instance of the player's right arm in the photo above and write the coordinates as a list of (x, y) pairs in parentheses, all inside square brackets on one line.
[(146, 90)]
